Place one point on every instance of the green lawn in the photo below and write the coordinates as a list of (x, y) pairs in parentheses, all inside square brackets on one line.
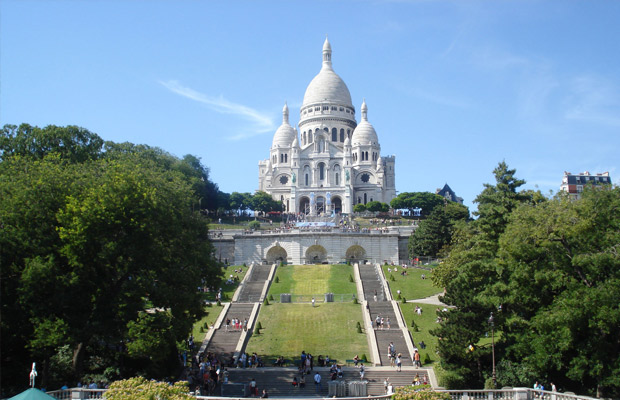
[(411, 286), (210, 318), (327, 329), (228, 290), (308, 280), (425, 322)]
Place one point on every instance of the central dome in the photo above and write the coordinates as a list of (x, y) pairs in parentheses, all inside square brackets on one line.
[(327, 86)]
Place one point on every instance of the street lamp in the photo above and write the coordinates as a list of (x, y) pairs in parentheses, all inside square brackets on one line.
[(492, 323)]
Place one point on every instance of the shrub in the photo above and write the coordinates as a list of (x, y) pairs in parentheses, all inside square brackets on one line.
[(355, 300), (254, 225), (364, 358), (219, 303), (359, 328), (404, 300), (257, 331), (358, 324), (270, 297), (277, 280), (427, 359), (266, 302), (423, 392), (392, 278), (351, 278), (259, 326), (202, 330)]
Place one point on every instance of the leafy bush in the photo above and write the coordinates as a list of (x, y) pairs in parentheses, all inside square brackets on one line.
[(139, 388), (277, 280), (254, 225), (422, 392)]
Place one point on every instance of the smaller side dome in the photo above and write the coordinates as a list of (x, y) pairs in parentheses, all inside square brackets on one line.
[(364, 133), (285, 134)]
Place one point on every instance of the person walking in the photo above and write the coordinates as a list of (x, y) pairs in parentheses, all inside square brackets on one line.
[(317, 382), (399, 362)]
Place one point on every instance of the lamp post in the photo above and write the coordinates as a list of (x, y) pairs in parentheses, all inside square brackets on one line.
[(492, 323)]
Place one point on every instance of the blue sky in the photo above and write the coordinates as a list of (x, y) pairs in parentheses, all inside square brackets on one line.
[(452, 87)]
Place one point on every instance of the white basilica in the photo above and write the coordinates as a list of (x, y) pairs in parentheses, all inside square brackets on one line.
[(335, 162)]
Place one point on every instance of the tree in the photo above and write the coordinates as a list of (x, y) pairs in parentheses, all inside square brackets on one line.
[(466, 273), (435, 232), (377, 206), (87, 245), (425, 200), (240, 201), (359, 208), (263, 202)]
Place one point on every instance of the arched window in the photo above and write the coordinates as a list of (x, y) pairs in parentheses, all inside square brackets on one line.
[(365, 198), (286, 158), (337, 179), (342, 135), (306, 179), (366, 156), (334, 135), (309, 137), (349, 133), (321, 171)]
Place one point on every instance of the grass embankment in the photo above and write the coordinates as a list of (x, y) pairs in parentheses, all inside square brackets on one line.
[(313, 280), (213, 312), (411, 286), (228, 289), (327, 329)]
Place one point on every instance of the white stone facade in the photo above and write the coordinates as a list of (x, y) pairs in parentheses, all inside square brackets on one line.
[(332, 162), (316, 248)]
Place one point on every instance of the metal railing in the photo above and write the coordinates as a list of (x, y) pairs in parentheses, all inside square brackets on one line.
[(468, 394)]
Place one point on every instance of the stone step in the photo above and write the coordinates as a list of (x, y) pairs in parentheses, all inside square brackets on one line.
[(278, 381)]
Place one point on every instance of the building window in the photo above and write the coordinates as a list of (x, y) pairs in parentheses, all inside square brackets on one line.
[(317, 108), (365, 198), (286, 158), (325, 108), (349, 133), (306, 179), (321, 171), (337, 179), (342, 135), (341, 108), (334, 135)]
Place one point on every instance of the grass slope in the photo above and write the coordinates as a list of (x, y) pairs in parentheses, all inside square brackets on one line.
[(315, 280), (411, 286), (327, 329), (425, 322)]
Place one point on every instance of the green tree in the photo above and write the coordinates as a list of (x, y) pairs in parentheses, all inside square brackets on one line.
[(88, 243), (466, 273), (359, 208), (240, 202), (434, 233), (425, 200), (377, 206), (263, 202)]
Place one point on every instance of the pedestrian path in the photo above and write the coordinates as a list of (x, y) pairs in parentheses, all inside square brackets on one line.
[(278, 380), (379, 307)]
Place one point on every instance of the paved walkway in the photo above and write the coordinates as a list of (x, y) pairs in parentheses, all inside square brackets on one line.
[(434, 299)]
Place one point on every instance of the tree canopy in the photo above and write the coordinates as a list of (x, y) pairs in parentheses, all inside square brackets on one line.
[(425, 200), (549, 271), (91, 239)]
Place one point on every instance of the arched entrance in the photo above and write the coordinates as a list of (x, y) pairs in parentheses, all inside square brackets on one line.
[(316, 254), (276, 254), (337, 204), (356, 253), (304, 205)]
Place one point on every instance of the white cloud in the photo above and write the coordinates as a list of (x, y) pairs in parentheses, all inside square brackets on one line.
[(592, 99), (261, 123)]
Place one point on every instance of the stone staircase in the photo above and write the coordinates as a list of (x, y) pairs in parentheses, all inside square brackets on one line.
[(253, 286), (385, 336), (371, 282), (278, 381), (224, 343)]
